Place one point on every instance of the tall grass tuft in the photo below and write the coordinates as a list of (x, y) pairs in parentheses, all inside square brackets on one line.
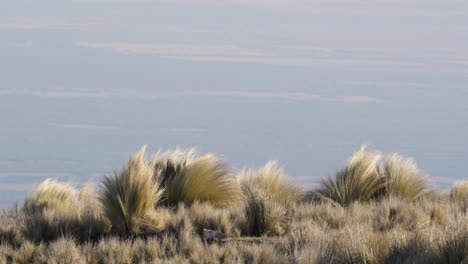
[(171, 163), (81, 217), (128, 198), (455, 248), (459, 191), (188, 178), (403, 178), (50, 195), (272, 179), (88, 203), (89, 215), (264, 213), (267, 193), (459, 195), (360, 180)]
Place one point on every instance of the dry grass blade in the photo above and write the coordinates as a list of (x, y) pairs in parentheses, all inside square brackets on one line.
[(50, 195), (403, 178), (171, 163), (131, 195), (459, 195), (388, 229), (459, 191), (267, 194), (205, 179), (360, 180), (265, 214), (272, 179)]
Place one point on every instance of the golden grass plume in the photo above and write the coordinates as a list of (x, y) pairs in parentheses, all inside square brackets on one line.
[(129, 197), (272, 179), (187, 178), (360, 180), (50, 195), (403, 178)]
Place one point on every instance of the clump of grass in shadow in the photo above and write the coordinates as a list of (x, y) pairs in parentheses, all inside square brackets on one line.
[(11, 226), (129, 197), (455, 248)]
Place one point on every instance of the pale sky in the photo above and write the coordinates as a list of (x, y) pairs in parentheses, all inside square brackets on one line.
[(85, 83)]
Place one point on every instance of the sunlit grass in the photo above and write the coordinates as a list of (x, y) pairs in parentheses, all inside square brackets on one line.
[(459, 191), (265, 214), (51, 195), (187, 178), (129, 197), (272, 179), (403, 178), (127, 220), (267, 193), (359, 181), (459, 195)]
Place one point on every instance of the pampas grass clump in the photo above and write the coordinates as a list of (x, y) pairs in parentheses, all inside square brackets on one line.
[(128, 199), (459, 191), (171, 163), (88, 205), (403, 178), (50, 195), (267, 193), (79, 215), (360, 180), (455, 248), (459, 195), (366, 177), (264, 213), (187, 178), (272, 179), (266, 222)]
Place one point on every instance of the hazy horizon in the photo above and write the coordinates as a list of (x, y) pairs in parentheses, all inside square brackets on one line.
[(86, 83)]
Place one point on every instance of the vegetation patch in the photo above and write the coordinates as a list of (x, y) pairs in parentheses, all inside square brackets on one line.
[(377, 209)]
